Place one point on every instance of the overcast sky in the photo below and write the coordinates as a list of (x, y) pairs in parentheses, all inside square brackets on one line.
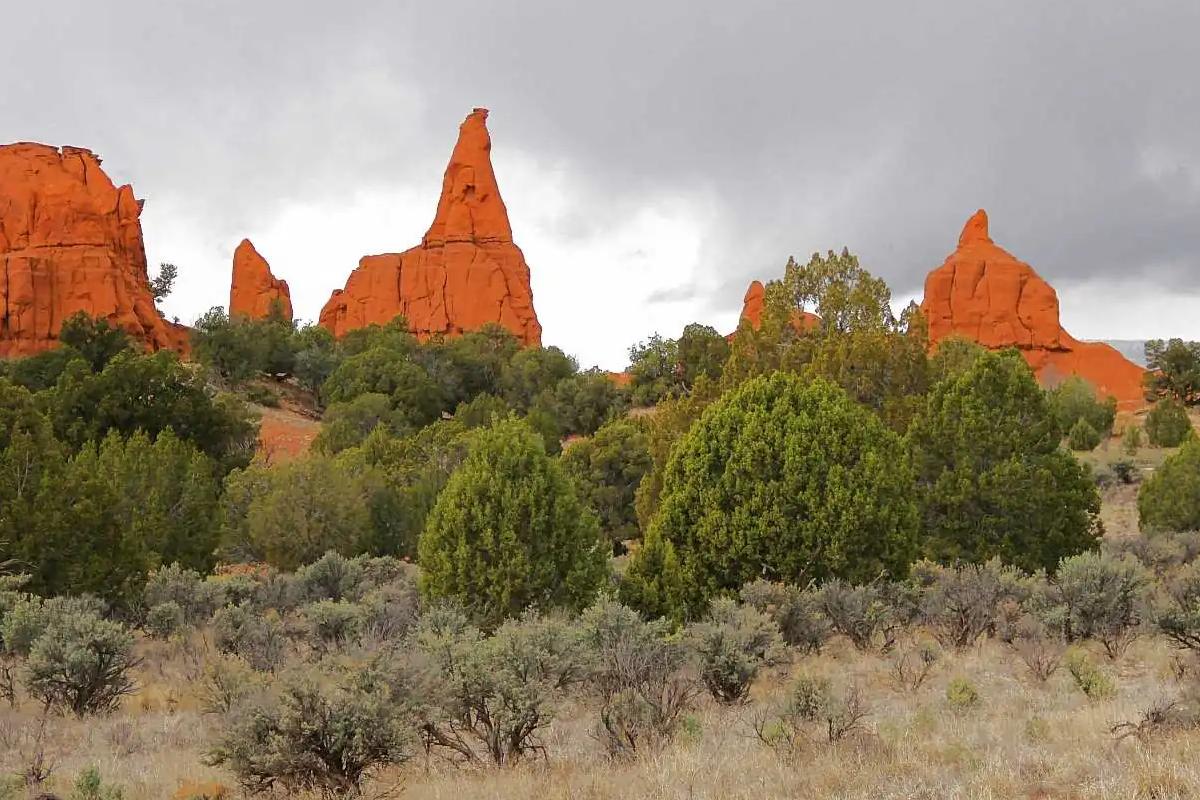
[(655, 156)]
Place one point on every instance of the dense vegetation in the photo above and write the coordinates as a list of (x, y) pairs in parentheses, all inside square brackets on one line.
[(473, 509)]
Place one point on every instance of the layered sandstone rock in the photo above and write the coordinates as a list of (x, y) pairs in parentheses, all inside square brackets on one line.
[(983, 293), (254, 291), (70, 241), (465, 273)]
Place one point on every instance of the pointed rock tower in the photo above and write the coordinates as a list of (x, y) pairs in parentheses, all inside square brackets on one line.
[(466, 272), (254, 291), (983, 293), (71, 241)]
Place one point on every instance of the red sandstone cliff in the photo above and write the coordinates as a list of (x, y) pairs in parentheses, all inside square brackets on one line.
[(465, 273), (983, 293), (70, 241), (254, 290)]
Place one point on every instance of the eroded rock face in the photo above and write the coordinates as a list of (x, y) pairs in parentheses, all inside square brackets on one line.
[(465, 273), (983, 293), (254, 290), (70, 241)]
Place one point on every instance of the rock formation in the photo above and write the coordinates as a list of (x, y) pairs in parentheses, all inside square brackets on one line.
[(752, 308), (983, 293), (70, 241), (465, 273), (254, 290)]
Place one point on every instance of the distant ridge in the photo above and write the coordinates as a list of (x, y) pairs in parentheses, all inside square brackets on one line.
[(1133, 349)]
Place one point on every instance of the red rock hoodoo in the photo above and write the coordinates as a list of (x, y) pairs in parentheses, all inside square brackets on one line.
[(752, 308), (70, 241), (254, 290), (465, 273), (983, 293)]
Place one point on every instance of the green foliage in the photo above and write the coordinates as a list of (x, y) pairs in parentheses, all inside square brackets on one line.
[(163, 283), (150, 393), (102, 519), (533, 372), (585, 401), (1173, 370), (292, 514), (1167, 424), (184, 588), (402, 479), (95, 340), (954, 356), (81, 664), (607, 470), (240, 349), (316, 358), (1131, 440), (733, 643), (961, 694), (90, 786), (991, 480), (316, 736), (415, 395), (654, 370), (1170, 499), (859, 344), (789, 480), (508, 531), (1082, 436), (1075, 400), (347, 424), (653, 582), (42, 371), (660, 368), (165, 620), (332, 623), (1089, 678)]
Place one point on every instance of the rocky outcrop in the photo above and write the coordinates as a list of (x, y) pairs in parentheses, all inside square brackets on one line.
[(70, 241), (466, 272), (983, 293), (254, 291), (752, 308)]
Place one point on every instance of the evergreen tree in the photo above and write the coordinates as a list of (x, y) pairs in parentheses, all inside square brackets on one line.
[(508, 531), (1170, 499), (787, 480), (991, 478), (607, 469)]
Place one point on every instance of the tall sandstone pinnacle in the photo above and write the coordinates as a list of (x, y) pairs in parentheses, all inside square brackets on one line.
[(466, 272), (70, 241), (985, 294), (254, 290)]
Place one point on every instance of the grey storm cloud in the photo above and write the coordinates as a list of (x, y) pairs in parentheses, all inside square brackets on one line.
[(811, 125)]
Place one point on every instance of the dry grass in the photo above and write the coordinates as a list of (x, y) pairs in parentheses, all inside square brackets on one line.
[(1023, 739)]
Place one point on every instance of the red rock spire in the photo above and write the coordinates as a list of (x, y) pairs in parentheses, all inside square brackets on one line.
[(254, 290), (985, 294), (466, 273)]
